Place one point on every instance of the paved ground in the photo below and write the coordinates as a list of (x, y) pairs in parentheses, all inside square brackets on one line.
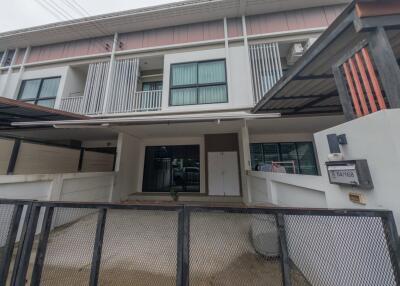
[(140, 249)]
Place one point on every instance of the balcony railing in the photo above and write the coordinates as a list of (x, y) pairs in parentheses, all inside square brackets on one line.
[(147, 101), (140, 101), (71, 104)]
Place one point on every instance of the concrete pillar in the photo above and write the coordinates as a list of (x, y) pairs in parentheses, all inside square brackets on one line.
[(245, 161)]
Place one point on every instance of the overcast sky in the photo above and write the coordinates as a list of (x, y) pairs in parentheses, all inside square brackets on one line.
[(17, 14)]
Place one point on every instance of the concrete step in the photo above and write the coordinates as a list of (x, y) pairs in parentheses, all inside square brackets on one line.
[(154, 197)]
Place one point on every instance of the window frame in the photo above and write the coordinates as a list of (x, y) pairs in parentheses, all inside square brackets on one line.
[(152, 82), (298, 165), (197, 85), (36, 99)]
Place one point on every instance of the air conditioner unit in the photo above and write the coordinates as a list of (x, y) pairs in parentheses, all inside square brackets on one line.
[(295, 52)]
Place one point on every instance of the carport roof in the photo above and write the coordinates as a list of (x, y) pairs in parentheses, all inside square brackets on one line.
[(12, 111), (309, 86)]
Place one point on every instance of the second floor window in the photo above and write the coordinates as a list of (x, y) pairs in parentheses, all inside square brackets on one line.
[(42, 91), (198, 83)]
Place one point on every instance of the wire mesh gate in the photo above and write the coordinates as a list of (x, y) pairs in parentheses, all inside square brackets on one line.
[(58, 243)]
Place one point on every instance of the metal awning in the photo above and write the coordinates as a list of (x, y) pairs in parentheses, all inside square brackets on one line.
[(12, 111), (309, 86), (147, 119)]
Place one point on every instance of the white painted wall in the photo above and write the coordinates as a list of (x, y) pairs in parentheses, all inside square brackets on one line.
[(75, 80), (281, 137), (374, 137), (89, 187), (287, 190), (93, 188), (41, 73), (126, 167), (239, 82)]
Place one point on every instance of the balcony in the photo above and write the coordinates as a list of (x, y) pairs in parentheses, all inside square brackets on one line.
[(129, 85), (140, 101)]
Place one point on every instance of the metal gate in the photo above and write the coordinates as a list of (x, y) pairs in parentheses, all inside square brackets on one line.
[(60, 243)]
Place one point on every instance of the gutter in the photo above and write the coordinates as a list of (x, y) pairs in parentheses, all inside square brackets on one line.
[(162, 119)]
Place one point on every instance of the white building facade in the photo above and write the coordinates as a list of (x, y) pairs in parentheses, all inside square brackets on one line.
[(167, 108)]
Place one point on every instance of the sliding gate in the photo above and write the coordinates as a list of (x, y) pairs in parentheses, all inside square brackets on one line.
[(58, 243)]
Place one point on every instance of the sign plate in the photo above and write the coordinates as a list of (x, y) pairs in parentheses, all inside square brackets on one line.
[(345, 174)]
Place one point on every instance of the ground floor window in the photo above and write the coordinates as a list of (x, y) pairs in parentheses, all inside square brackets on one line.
[(172, 169), (289, 157)]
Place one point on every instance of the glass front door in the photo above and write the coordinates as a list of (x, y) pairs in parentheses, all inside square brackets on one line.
[(172, 169)]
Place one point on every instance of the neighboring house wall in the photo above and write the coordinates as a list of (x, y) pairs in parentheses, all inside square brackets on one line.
[(44, 159), (97, 162), (36, 158)]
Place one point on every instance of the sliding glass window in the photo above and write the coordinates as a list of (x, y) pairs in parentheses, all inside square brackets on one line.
[(41, 91), (172, 169), (198, 83), (295, 157)]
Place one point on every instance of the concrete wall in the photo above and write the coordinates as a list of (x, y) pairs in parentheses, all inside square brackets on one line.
[(374, 137), (89, 187), (127, 167)]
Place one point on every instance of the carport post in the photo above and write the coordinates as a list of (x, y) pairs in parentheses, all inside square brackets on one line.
[(14, 156), (182, 271), (386, 65), (41, 250), (98, 247), (344, 95)]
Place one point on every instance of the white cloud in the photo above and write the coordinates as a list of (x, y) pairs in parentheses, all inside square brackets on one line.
[(27, 13)]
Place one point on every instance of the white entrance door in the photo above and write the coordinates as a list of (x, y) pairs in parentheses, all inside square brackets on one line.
[(223, 174)]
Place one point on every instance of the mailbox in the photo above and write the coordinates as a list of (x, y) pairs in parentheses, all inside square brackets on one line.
[(351, 173)]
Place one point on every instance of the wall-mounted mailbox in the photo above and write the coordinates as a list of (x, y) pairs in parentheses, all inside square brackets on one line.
[(350, 172)]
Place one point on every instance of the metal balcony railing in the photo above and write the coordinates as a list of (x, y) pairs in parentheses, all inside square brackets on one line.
[(137, 102), (119, 244), (71, 104)]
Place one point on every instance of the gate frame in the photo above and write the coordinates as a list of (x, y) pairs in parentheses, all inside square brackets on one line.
[(183, 234)]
